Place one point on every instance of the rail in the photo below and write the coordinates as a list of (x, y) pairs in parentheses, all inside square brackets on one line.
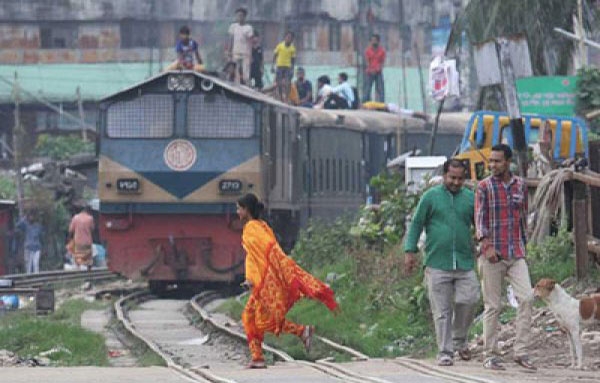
[(59, 276)]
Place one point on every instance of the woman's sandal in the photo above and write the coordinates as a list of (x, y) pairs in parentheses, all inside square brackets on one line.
[(257, 364), (307, 337)]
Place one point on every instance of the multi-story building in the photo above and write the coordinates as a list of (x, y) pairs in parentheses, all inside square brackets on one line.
[(100, 46)]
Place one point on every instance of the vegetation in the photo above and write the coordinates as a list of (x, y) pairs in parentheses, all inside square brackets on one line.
[(536, 19), (59, 335), (61, 147), (588, 94)]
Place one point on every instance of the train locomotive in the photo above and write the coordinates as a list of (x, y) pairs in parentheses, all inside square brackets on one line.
[(177, 150)]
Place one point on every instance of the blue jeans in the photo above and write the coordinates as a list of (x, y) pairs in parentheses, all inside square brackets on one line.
[(376, 78)]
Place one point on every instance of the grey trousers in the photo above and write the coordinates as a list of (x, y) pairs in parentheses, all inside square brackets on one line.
[(453, 296)]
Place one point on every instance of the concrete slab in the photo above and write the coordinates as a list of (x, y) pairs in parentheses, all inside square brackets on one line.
[(90, 375)]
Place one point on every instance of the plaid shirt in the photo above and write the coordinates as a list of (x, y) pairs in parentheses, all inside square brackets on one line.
[(501, 215)]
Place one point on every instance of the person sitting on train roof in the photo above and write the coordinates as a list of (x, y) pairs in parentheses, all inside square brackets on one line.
[(187, 49), (341, 96), (304, 88), (323, 91)]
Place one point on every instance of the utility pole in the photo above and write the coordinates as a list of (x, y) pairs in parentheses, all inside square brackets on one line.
[(421, 80), (81, 116), (582, 47), (512, 105), (17, 136)]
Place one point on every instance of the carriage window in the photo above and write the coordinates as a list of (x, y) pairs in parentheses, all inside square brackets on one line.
[(327, 174), (353, 171), (314, 175), (148, 116), (347, 184), (340, 175), (217, 116), (358, 179), (320, 174), (334, 174)]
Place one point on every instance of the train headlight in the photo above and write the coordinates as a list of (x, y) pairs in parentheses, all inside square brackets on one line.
[(181, 82)]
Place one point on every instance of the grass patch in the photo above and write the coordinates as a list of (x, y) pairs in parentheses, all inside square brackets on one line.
[(28, 336), (379, 318)]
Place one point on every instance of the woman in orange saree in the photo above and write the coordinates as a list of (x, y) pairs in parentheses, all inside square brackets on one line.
[(276, 283)]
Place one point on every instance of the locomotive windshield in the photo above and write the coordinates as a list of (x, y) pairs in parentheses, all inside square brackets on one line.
[(148, 116), (218, 116)]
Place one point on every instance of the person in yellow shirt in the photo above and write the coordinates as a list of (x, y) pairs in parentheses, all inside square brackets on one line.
[(276, 283), (284, 58)]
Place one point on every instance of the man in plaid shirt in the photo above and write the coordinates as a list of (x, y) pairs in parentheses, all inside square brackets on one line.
[(501, 220)]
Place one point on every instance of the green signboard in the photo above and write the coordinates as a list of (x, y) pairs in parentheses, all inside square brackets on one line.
[(547, 95)]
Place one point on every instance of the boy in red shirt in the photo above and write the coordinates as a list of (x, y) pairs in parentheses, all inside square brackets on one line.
[(375, 57)]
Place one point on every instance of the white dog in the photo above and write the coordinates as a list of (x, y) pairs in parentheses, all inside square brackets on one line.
[(570, 312)]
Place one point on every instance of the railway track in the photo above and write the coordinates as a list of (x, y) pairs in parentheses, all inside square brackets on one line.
[(362, 370), (60, 276)]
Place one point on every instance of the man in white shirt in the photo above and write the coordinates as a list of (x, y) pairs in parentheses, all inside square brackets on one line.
[(342, 96), (323, 91), (240, 48)]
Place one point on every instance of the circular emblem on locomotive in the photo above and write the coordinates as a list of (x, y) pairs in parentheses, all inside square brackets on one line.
[(180, 155)]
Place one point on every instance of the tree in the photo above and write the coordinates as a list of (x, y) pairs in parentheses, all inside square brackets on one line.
[(550, 53)]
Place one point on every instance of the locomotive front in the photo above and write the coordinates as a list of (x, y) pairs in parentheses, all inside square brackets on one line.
[(176, 151)]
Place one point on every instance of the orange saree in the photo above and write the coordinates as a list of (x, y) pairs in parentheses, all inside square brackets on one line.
[(278, 282)]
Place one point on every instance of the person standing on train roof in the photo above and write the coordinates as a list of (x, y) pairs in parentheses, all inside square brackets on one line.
[(240, 46), (446, 212), (187, 50), (284, 58), (34, 232), (80, 231), (275, 281), (257, 66)]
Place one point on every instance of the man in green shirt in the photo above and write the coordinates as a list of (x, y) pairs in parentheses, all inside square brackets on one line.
[(446, 213)]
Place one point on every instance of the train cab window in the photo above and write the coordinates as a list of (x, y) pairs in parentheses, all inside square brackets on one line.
[(148, 116), (218, 116)]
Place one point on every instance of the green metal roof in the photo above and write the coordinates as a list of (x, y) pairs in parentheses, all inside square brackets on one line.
[(58, 82)]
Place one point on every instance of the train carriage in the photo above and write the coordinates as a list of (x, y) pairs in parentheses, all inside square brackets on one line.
[(177, 150)]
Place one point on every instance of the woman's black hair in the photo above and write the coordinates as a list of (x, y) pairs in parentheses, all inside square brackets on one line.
[(254, 206)]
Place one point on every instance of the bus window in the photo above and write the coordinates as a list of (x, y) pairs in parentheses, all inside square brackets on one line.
[(479, 170)]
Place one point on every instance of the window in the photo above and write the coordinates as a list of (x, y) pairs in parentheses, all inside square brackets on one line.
[(340, 176), (304, 178), (314, 175), (148, 116), (358, 179), (327, 175), (334, 175), (335, 32), (353, 185), (59, 36), (217, 116), (309, 38), (137, 34), (347, 184), (320, 174)]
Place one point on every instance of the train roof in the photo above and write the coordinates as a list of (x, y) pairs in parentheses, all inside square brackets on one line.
[(360, 120)]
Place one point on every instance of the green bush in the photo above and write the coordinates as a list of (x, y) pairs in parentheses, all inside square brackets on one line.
[(553, 258), (321, 243), (61, 147)]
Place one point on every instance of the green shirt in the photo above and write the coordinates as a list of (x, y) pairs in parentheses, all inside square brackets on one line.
[(447, 219)]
